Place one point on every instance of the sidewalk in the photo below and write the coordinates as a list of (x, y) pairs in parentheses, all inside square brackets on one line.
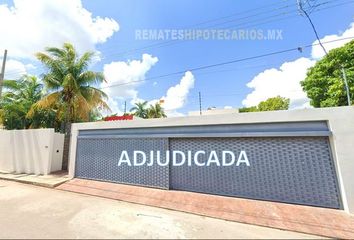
[(311, 220), (32, 212), (51, 181)]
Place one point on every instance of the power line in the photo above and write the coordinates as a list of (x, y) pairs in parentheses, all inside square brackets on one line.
[(254, 15), (233, 20), (235, 69), (303, 10), (172, 42), (225, 63), (224, 94), (15, 72), (260, 22), (295, 14), (240, 13), (169, 43)]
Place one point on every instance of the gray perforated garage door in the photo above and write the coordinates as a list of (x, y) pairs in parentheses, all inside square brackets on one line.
[(285, 169), (97, 158), (289, 162)]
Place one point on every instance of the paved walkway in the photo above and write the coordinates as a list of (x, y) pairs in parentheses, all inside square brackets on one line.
[(51, 181), (313, 220), (28, 211)]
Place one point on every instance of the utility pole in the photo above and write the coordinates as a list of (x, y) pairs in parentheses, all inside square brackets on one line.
[(302, 10), (346, 86), (125, 107), (2, 74), (200, 103)]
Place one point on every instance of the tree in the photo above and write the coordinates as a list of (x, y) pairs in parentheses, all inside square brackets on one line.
[(18, 99), (324, 83), (275, 103), (95, 115), (140, 109), (44, 118), (156, 111), (271, 104), (70, 84), (248, 109)]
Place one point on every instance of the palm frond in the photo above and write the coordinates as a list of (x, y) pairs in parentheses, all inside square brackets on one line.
[(57, 52), (84, 61), (11, 85), (48, 101), (52, 82), (82, 107), (55, 68), (95, 97), (90, 77)]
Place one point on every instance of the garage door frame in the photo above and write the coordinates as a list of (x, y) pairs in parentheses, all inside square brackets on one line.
[(284, 129)]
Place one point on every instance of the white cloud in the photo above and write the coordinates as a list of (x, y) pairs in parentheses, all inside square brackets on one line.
[(30, 26), (15, 69), (128, 76), (177, 95), (317, 51), (284, 81)]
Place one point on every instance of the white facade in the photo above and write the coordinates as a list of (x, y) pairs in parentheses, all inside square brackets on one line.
[(339, 120), (32, 151)]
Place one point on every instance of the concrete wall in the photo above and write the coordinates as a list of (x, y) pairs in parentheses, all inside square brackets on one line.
[(6, 157), (30, 151), (340, 122)]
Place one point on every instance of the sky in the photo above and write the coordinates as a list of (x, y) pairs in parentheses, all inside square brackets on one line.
[(139, 69)]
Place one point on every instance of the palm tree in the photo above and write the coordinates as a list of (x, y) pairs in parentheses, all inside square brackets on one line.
[(140, 109), (26, 88), (17, 101), (70, 84), (156, 111)]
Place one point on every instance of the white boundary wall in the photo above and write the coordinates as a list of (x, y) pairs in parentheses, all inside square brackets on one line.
[(340, 122), (31, 151)]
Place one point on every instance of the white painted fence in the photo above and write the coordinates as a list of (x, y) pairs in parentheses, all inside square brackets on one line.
[(32, 151)]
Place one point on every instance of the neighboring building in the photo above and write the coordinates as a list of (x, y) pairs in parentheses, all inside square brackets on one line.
[(121, 118), (214, 111)]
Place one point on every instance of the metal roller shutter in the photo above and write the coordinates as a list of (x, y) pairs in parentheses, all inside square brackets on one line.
[(285, 169), (97, 159), (289, 162)]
